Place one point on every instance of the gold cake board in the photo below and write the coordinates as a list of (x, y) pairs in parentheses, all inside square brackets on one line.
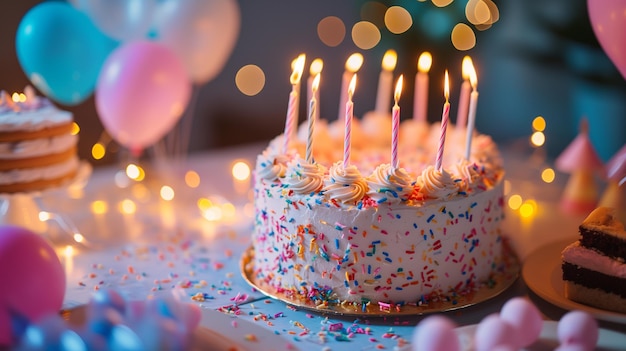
[(497, 284)]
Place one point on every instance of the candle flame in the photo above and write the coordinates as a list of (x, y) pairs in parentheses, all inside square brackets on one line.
[(316, 66), (446, 87), (351, 87), (466, 67), (398, 91), (424, 62), (316, 82), (389, 60), (354, 62), (298, 67), (473, 78)]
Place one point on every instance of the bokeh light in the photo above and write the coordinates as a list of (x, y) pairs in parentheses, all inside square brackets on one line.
[(537, 139), (526, 210), (515, 201), (539, 124), (140, 191), (331, 30), (250, 80), (463, 37), (135, 172), (127, 206), (192, 179), (398, 20), (241, 170), (167, 193), (548, 175), (99, 207), (442, 3), (365, 35), (98, 151), (75, 128)]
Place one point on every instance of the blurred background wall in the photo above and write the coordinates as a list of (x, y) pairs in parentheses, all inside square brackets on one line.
[(539, 59)]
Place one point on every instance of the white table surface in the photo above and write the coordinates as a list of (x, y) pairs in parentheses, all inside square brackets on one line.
[(167, 247)]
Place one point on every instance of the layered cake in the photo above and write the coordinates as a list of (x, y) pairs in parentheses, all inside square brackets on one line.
[(370, 233), (37, 146), (594, 267)]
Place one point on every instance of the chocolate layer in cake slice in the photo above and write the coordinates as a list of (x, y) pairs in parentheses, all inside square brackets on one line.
[(594, 268)]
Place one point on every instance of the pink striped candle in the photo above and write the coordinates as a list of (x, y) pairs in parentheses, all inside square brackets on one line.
[(353, 64), (316, 67), (312, 118), (461, 116), (348, 130), (292, 108), (395, 127), (420, 99), (472, 113), (444, 123)]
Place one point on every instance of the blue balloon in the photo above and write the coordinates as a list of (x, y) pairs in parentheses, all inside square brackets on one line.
[(61, 51)]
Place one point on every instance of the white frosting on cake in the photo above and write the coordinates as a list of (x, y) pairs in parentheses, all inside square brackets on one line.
[(32, 120), (37, 147), (373, 232), (593, 260), (39, 173)]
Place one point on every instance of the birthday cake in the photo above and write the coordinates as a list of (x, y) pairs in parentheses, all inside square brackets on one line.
[(367, 232), (37, 146)]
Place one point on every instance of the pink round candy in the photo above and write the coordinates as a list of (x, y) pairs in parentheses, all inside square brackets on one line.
[(435, 333), (525, 319), (493, 332), (578, 327), (32, 278)]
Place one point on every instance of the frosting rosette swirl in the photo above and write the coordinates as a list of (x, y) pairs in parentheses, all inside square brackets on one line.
[(436, 184), (345, 184), (303, 177), (271, 167), (388, 184), (468, 175)]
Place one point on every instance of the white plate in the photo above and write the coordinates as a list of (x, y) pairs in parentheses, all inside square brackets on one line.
[(548, 339), (219, 331), (542, 274)]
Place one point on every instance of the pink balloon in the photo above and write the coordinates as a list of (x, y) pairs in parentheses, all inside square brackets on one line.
[(32, 278), (142, 91), (608, 19)]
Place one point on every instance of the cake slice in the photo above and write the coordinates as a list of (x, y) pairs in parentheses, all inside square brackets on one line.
[(594, 267)]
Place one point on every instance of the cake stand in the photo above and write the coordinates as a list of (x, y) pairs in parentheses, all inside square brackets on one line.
[(23, 209)]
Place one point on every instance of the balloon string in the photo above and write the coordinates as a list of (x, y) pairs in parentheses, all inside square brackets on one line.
[(186, 123)]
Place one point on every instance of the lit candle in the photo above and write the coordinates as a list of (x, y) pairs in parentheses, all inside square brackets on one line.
[(472, 113), (444, 123), (292, 108), (312, 118), (395, 127), (385, 80), (461, 116), (420, 100), (68, 260), (348, 120), (353, 64), (316, 67)]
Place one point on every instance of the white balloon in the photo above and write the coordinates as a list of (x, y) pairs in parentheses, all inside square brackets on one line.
[(202, 32), (123, 20)]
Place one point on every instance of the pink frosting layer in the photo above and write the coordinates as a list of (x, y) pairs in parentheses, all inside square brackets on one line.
[(590, 259)]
